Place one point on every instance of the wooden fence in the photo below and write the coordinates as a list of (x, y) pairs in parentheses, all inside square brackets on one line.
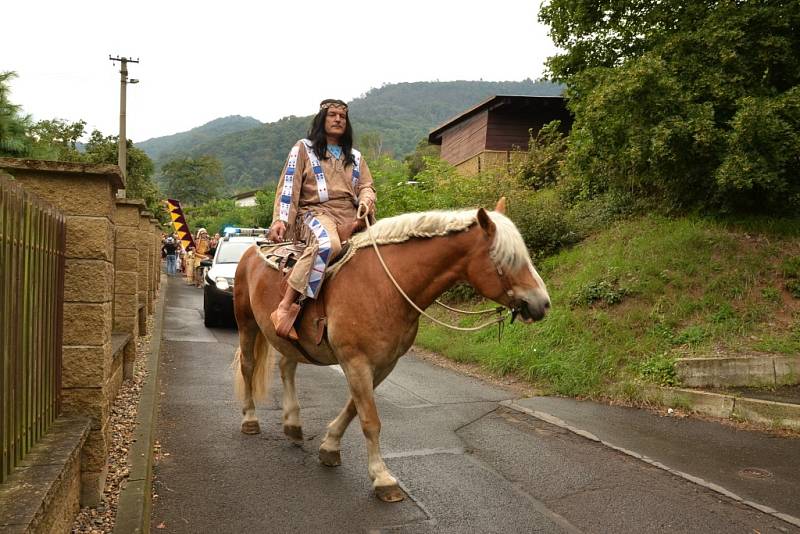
[(32, 242)]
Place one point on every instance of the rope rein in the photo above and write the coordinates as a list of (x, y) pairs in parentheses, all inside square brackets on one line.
[(496, 309), (499, 320)]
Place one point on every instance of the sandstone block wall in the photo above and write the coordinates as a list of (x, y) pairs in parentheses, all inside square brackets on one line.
[(112, 266), (144, 242), (85, 193), (126, 290)]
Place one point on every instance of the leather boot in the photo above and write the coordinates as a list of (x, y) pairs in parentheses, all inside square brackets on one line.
[(285, 314)]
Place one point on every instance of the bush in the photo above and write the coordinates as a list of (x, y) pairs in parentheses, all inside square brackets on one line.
[(659, 369), (761, 167), (544, 222), (543, 217), (606, 291), (540, 166), (791, 271)]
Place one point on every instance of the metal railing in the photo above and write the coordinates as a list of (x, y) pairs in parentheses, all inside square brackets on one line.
[(32, 242)]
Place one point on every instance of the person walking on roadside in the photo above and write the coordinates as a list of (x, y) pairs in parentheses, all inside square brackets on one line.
[(323, 183), (200, 254), (169, 250), (212, 245)]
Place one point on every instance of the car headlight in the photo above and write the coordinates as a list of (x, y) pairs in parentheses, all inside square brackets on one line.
[(223, 283)]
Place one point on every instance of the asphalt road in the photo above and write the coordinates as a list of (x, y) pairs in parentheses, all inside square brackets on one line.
[(467, 463)]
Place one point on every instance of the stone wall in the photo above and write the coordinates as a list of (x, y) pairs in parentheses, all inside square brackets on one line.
[(111, 255), (145, 244), (126, 283)]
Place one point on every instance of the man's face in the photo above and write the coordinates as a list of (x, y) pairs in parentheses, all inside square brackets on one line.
[(335, 121)]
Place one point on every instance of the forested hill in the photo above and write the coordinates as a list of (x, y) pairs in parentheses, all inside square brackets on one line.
[(400, 114), (184, 141)]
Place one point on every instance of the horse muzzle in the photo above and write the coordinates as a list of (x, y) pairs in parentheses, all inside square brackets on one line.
[(530, 311)]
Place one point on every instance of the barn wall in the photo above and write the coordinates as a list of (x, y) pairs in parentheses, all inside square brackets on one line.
[(465, 139), (508, 128)]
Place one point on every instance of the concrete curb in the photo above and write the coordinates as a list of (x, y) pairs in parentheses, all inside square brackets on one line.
[(553, 420), (777, 414), (135, 498), (739, 371)]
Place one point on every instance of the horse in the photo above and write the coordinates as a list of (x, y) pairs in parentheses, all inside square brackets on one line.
[(369, 324)]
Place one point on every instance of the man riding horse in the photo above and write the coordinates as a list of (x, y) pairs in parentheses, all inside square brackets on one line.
[(323, 183)]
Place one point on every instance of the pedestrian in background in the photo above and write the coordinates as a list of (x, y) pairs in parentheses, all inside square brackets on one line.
[(169, 251)]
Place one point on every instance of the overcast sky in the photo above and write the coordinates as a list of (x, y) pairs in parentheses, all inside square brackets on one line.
[(201, 60)]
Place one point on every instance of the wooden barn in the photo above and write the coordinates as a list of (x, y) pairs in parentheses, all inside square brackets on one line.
[(488, 134)]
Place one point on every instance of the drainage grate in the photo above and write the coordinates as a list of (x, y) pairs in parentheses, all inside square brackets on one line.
[(754, 472)]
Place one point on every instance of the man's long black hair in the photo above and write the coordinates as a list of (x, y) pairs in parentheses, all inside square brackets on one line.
[(316, 134)]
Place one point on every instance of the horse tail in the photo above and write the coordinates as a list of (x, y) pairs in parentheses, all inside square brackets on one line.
[(263, 366)]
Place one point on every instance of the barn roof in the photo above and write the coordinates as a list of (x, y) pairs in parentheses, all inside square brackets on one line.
[(245, 194), (495, 102)]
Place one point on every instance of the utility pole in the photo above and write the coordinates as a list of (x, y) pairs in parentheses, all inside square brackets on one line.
[(122, 143)]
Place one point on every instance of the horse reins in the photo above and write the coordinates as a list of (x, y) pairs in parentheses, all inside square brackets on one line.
[(499, 320)]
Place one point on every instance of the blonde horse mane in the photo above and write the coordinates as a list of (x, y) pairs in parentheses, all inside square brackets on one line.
[(508, 249)]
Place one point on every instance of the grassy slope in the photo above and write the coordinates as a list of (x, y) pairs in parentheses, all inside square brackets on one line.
[(687, 286)]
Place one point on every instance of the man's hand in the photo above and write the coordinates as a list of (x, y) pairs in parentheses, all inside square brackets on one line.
[(370, 205), (277, 231)]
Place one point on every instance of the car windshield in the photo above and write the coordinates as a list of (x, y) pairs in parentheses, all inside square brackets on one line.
[(231, 252)]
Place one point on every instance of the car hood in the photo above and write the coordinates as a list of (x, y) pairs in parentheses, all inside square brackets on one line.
[(228, 270)]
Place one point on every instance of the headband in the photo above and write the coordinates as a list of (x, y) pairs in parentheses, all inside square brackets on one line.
[(333, 104)]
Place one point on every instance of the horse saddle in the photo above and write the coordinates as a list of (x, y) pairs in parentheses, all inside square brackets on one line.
[(282, 257)]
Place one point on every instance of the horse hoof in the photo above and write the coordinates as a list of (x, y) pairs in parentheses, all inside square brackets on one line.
[(295, 433), (251, 427), (391, 493), (330, 458)]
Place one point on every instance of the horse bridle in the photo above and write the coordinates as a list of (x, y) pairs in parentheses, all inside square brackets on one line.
[(515, 303)]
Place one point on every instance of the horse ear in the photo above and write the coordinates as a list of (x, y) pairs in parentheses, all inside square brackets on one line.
[(486, 222), (501, 206)]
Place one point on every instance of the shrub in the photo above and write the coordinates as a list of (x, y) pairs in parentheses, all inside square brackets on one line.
[(540, 166), (659, 369), (761, 165), (791, 271), (606, 291), (544, 222)]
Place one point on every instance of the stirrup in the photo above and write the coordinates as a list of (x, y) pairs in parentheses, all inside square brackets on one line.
[(286, 328)]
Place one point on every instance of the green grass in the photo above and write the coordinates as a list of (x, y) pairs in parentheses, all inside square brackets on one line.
[(629, 300)]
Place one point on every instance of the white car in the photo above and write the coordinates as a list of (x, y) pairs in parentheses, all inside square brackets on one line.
[(218, 280)]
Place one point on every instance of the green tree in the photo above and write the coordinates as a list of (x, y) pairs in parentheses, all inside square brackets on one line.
[(680, 100), (217, 214), (416, 160), (193, 180), (103, 149), (57, 139), (265, 204), (540, 166), (371, 145), (14, 140)]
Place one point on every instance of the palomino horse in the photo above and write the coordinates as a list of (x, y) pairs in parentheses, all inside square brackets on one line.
[(370, 325)]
